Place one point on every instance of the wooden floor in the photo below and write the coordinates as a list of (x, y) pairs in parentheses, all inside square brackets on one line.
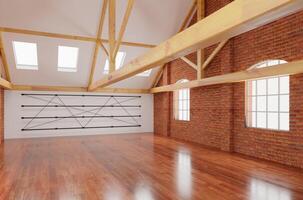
[(137, 167)]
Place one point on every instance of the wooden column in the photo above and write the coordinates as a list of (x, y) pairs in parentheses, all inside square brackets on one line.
[(200, 52)]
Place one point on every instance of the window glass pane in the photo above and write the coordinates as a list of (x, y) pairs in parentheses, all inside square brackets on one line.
[(284, 103), (253, 87), (261, 87), (180, 94), (180, 104), (261, 120), (185, 105), (67, 58), (284, 121), (273, 103), (25, 55), (145, 73), (261, 65), (273, 86), (254, 119), (284, 85), (185, 94), (184, 115), (261, 103), (187, 115), (273, 121), (253, 104), (273, 62), (119, 62), (182, 98), (180, 114)]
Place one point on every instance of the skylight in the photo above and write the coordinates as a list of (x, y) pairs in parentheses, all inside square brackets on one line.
[(25, 55), (67, 58), (119, 62), (145, 73)]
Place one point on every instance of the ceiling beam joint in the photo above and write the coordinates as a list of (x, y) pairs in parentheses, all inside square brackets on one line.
[(123, 26), (96, 50)]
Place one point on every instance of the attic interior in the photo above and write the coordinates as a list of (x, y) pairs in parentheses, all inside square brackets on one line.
[(151, 100)]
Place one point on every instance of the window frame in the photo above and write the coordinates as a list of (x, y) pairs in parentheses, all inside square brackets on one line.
[(252, 113), (181, 114), (23, 66), (68, 69)]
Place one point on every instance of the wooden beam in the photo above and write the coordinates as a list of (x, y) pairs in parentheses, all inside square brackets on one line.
[(123, 26), (183, 26), (211, 30), (112, 34), (77, 89), (283, 69), (4, 60), (188, 16), (158, 76), (103, 47), (96, 50), (189, 62), (70, 37), (200, 52), (214, 53), (5, 84)]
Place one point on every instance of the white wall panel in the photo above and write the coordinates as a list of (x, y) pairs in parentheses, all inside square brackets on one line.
[(13, 113)]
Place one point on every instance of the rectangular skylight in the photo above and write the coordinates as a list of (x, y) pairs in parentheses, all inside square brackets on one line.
[(145, 73), (67, 58), (25, 55), (119, 62)]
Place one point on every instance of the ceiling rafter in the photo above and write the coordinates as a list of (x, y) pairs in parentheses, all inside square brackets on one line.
[(112, 34), (70, 37), (99, 34), (277, 70), (213, 29), (123, 26), (4, 60)]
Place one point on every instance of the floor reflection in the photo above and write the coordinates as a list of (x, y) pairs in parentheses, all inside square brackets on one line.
[(113, 193), (143, 192), (184, 177), (261, 190)]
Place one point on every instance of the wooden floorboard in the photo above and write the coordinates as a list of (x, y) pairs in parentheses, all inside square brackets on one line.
[(138, 167)]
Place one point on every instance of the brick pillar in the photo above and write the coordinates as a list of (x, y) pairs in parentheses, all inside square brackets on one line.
[(162, 107)]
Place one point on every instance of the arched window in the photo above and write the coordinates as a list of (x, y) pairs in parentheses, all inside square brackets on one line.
[(267, 100), (182, 103)]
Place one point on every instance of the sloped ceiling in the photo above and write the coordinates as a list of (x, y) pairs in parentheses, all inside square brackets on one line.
[(151, 22)]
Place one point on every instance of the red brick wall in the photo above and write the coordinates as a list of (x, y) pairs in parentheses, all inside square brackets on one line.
[(279, 40), (218, 113)]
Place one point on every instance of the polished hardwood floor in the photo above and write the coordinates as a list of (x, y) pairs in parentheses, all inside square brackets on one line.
[(137, 167)]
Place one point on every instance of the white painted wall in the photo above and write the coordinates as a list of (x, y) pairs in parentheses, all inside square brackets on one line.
[(13, 113)]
